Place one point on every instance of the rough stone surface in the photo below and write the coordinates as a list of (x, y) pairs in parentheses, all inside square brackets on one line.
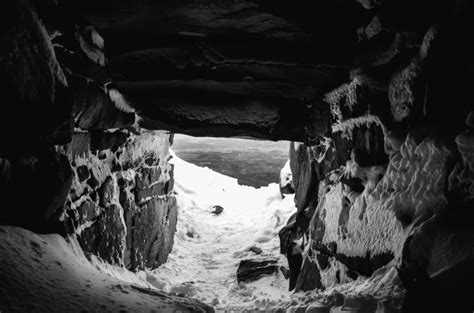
[(152, 237), (305, 179), (125, 214), (106, 192), (374, 90), (93, 109), (80, 145), (107, 140), (406, 93), (308, 278), (88, 211), (369, 156), (106, 237), (198, 77), (251, 270)]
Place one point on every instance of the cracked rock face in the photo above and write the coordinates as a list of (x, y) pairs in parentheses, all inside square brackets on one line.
[(220, 68), (124, 211)]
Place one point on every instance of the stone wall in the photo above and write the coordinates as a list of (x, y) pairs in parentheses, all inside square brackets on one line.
[(121, 204), (412, 212), (391, 181), (75, 161)]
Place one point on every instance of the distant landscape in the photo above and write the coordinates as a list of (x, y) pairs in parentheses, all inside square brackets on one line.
[(253, 162)]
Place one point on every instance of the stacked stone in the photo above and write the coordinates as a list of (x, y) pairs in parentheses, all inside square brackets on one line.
[(121, 204)]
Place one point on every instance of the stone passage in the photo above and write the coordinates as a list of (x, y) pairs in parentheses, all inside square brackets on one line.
[(374, 94)]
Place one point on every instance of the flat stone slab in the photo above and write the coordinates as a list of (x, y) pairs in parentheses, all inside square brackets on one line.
[(251, 270)]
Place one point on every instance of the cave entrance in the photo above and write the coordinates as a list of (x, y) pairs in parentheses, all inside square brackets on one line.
[(255, 163), (230, 209)]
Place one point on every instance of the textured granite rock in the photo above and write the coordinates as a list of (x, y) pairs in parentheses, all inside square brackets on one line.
[(126, 213)]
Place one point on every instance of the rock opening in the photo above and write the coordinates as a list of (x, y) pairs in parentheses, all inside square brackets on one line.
[(373, 95)]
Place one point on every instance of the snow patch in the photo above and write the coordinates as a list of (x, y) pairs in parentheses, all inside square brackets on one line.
[(48, 273), (208, 248), (286, 177)]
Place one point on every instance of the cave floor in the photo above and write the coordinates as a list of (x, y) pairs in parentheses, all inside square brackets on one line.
[(47, 273), (208, 248)]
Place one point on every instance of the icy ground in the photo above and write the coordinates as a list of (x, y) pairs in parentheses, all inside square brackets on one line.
[(208, 248), (48, 273)]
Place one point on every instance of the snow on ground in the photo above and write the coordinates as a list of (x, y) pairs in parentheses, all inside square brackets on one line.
[(48, 273), (208, 248)]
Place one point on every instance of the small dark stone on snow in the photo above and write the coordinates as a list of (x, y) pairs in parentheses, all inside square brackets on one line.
[(217, 209), (190, 234), (255, 250)]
